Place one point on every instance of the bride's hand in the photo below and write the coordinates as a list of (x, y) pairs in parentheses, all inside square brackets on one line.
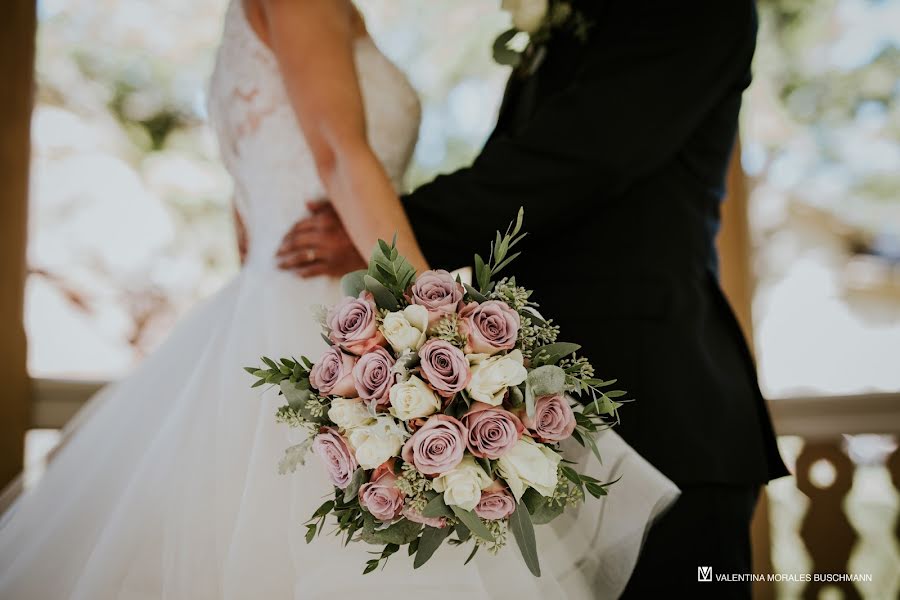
[(319, 245)]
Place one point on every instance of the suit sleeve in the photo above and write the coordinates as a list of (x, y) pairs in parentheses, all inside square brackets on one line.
[(645, 83)]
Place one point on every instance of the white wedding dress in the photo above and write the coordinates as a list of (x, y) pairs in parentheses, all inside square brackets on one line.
[(168, 486)]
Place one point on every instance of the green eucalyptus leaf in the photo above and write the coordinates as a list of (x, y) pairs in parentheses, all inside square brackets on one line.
[(547, 380), (352, 283), (402, 532), (516, 396), (436, 507), (523, 531), (553, 353), (529, 399), (359, 478), (431, 540), (542, 511), (384, 298), (472, 554), (475, 294), (471, 520), (295, 395)]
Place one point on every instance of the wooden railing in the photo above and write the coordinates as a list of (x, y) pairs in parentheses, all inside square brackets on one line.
[(822, 422), (825, 529)]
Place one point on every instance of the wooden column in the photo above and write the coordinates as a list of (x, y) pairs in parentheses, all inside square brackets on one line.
[(736, 276), (17, 30)]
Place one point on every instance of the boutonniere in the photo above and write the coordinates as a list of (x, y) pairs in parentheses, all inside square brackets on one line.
[(534, 22)]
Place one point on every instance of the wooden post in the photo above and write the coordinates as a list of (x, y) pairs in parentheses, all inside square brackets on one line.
[(17, 31), (736, 276)]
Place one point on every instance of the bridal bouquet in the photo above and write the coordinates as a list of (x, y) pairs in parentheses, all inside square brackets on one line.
[(439, 407)]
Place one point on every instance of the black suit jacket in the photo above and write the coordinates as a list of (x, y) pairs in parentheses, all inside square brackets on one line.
[(618, 149)]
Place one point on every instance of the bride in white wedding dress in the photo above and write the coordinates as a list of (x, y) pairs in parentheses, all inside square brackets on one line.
[(168, 487)]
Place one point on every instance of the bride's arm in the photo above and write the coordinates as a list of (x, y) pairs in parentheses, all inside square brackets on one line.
[(313, 42)]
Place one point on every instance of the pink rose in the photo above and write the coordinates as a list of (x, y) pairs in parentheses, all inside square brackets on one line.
[(353, 325), (437, 446), (492, 431), (445, 367), (380, 495), (553, 419), (332, 449), (372, 376), (496, 503), (416, 517), (490, 327), (333, 374), (438, 292)]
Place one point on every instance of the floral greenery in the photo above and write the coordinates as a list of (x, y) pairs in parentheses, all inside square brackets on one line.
[(553, 368), (561, 17)]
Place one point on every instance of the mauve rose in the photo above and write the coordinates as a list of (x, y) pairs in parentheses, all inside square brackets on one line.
[(445, 367), (492, 431), (372, 376), (438, 292), (333, 374), (553, 419), (353, 325), (332, 449), (496, 503), (490, 327), (380, 495), (417, 517), (437, 446)]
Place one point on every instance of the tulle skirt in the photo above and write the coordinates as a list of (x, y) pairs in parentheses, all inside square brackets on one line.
[(168, 487)]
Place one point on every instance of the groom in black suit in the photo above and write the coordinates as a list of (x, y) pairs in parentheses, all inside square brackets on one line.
[(617, 146)]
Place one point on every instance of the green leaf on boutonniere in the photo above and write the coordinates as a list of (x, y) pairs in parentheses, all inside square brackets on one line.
[(523, 531), (359, 477), (431, 540), (503, 54), (471, 520)]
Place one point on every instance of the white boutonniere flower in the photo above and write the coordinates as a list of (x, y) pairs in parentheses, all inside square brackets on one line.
[(527, 15)]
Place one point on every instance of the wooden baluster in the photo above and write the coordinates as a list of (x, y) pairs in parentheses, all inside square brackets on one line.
[(828, 535), (893, 465)]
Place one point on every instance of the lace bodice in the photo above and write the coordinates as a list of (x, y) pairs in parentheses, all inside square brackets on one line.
[(260, 139)]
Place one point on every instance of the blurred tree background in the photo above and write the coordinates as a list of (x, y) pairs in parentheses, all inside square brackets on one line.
[(131, 223), (130, 210), (130, 206)]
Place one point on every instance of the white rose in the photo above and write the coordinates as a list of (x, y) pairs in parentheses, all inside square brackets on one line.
[(405, 329), (349, 413), (491, 376), (373, 444), (529, 464), (462, 485), (413, 399), (527, 15)]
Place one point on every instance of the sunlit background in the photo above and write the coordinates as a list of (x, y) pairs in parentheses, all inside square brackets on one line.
[(131, 223)]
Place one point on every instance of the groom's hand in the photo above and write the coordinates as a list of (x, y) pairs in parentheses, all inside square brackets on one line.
[(319, 245)]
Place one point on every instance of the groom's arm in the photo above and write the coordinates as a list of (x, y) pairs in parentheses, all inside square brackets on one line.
[(647, 82)]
